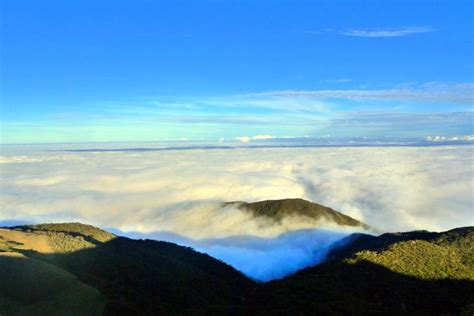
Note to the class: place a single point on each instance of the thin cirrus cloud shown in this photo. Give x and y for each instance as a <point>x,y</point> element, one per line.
<point>340,80</point>
<point>411,109</point>
<point>404,120</point>
<point>456,138</point>
<point>439,108</point>
<point>403,124</point>
<point>387,32</point>
<point>459,94</point>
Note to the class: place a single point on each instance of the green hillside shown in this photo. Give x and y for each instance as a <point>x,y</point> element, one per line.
<point>418,273</point>
<point>421,254</point>
<point>277,210</point>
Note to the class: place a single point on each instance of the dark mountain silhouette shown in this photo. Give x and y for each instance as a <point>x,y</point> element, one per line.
<point>277,210</point>
<point>415,273</point>
<point>52,268</point>
<point>364,288</point>
<point>137,277</point>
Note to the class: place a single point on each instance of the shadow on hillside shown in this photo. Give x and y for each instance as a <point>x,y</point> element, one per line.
<point>235,240</point>
<point>145,277</point>
<point>154,278</point>
<point>33,229</point>
<point>262,258</point>
<point>34,287</point>
<point>360,289</point>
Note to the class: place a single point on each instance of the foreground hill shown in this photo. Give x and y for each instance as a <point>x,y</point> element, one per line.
<point>36,287</point>
<point>52,268</point>
<point>278,210</point>
<point>134,277</point>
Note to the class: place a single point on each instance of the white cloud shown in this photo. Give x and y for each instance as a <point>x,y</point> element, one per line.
<point>388,32</point>
<point>266,259</point>
<point>262,137</point>
<point>132,190</point>
<point>176,193</point>
<point>459,138</point>
<point>243,139</point>
<point>246,139</point>
<point>40,182</point>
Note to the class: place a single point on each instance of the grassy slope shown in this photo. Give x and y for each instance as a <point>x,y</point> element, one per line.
<point>33,287</point>
<point>68,237</point>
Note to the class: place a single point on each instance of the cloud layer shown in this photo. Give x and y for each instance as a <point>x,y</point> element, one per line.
<point>175,194</point>
<point>416,187</point>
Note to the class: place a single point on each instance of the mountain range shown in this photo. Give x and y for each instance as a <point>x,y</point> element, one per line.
<point>78,269</point>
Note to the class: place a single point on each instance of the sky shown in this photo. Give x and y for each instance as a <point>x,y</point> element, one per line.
<point>98,71</point>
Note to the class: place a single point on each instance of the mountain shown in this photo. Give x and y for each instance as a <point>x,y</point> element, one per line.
<point>77,269</point>
<point>277,210</point>
<point>127,277</point>
<point>415,273</point>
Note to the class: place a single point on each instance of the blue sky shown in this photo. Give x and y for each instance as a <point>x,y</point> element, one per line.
<point>81,71</point>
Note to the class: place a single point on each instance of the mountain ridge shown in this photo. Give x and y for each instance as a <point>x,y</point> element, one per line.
<point>418,272</point>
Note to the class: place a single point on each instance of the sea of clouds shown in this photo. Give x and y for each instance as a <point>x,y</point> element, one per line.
<point>175,195</point>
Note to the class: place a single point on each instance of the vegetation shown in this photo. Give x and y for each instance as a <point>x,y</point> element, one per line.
<point>68,237</point>
<point>88,232</point>
<point>85,271</point>
<point>151,277</point>
<point>421,254</point>
<point>363,288</point>
<point>421,259</point>
<point>406,273</point>
<point>136,276</point>
<point>279,209</point>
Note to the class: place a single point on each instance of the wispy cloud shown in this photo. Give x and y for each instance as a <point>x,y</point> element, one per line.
<point>433,93</point>
<point>340,80</point>
<point>440,108</point>
<point>402,123</point>
<point>388,32</point>
<point>457,138</point>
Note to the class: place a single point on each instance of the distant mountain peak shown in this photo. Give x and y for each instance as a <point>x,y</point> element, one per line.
<point>280,209</point>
